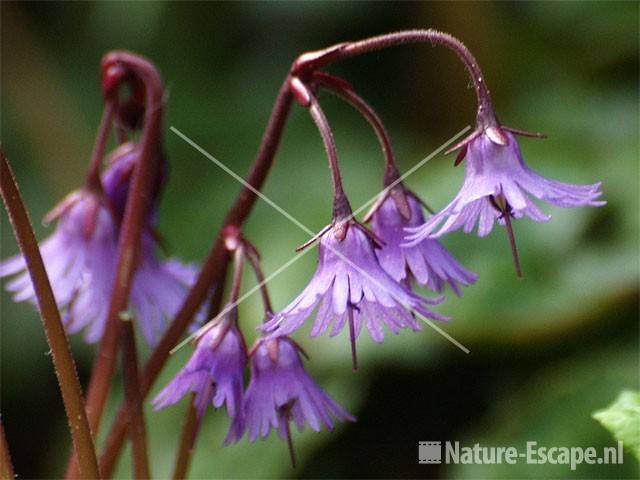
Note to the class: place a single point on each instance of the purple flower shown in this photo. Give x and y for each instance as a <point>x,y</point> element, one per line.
<point>215,374</point>
<point>280,390</point>
<point>497,181</point>
<point>350,284</point>
<point>158,290</point>
<point>117,178</point>
<point>428,261</point>
<point>80,257</point>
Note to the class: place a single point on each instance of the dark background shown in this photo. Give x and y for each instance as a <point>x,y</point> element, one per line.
<point>546,351</point>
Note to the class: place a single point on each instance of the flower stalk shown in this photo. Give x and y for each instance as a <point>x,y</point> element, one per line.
<point>341,208</point>
<point>132,227</point>
<point>137,428</point>
<point>357,295</point>
<point>254,260</point>
<point>315,60</point>
<point>188,436</point>
<point>343,89</point>
<point>215,264</point>
<point>191,425</point>
<point>92,181</point>
<point>63,362</point>
<point>211,274</point>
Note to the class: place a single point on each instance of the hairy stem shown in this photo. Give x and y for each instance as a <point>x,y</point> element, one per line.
<point>63,362</point>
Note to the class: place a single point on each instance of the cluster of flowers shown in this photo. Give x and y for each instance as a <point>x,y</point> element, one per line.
<point>365,277</point>
<point>80,257</point>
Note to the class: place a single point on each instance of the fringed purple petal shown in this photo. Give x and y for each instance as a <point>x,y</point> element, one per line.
<point>348,276</point>
<point>280,390</point>
<point>494,170</point>
<point>215,374</point>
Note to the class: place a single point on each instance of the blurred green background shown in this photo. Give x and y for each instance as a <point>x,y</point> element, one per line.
<point>546,351</point>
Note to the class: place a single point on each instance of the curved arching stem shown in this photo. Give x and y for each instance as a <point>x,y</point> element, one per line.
<point>314,60</point>
<point>212,272</point>
<point>133,224</point>
<point>254,260</point>
<point>214,267</point>
<point>343,90</point>
<point>92,181</point>
<point>341,207</point>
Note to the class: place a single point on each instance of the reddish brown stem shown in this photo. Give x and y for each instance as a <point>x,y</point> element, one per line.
<point>129,241</point>
<point>287,431</point>
<point>218,295</point>
<point>212,271</point>
<point>352,340</point>
<point>341,207</point>
<point>137,428</point>
<point>63,362</point>
<point>187,441</point>
<point>6,466</point>
<point>342,89</point>
<point>192,422</point>
<point>254,260</point>
<point>315,60</point>
<point>93,182</point>
<point>512,242</point>
<point>217,259</point>
<point>236,284</point>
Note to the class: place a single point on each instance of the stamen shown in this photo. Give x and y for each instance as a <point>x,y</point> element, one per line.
<point>512,241</point>
<point>284,417</point>
<point>460,157</point>
<point>352,338</point>
<point>313,239</point>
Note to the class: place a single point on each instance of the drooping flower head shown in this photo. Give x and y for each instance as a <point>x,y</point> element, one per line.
<point>80,258</point>
<point>350,287</point>
<point>215,374</point>
<point>428,262</point>
<point>159,286</point>
<point>499,183</point>
<point>116,180</point>
<point>281,391</point>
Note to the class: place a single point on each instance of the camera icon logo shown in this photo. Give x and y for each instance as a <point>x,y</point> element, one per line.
<point>429,452</point>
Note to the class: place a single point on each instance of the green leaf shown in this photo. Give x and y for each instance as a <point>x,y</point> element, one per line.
<point>622,419</point>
